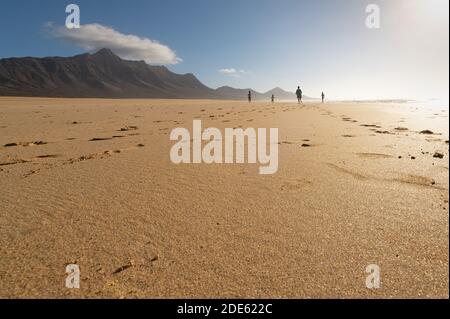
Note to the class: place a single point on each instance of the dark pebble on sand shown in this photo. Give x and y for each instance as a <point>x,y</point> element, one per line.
<point>438,155</point>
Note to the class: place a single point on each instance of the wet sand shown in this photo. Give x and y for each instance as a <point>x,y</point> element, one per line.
<point>90,182</point>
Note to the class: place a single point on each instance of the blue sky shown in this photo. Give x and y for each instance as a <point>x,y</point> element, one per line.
<point>320,45</point>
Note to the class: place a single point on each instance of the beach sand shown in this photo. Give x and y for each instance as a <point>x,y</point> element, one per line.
<point>90,182</point>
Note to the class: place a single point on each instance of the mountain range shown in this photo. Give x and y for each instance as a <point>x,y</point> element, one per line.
<point>105,75</point>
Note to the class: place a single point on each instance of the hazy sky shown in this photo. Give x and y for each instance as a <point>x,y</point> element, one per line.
<point>320,45</point>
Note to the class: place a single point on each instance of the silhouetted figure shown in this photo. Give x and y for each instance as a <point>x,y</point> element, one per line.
<point>273,98</point>
<point>299,95</point>
<point>249,96</point>
<point>323,97</point>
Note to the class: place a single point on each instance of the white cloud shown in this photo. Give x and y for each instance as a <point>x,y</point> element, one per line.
<point>232,72</point>
<point>93,37</point>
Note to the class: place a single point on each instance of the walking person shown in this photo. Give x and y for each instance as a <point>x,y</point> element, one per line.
<point>323,97</point>
<point>249,96</point>
<point>299,95</point>
<point>273,98</point>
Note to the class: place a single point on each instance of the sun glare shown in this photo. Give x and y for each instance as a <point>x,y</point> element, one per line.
<point>430,11</point>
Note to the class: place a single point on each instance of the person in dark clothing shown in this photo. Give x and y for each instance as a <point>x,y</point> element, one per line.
<point>273,98</point>
<point>299,94</point>
<point>249,96</point>
<point>323,97</point>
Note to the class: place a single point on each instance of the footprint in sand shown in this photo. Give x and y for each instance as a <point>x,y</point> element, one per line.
<point>295,185</point>
<point>26,144</point>
<point>10,145</point>
<point>405,178</point>
<point>123,268</point>
<point>128,128</point>
<point>97,139</point>
<point>48,156</point>
<point>374,155</point>
<point>370,125</point>
<point>101,155</point>
<point>14,162</point>
<point>426,132</point>
<point>347,171</point>
<point>416,180</point>
<point>383,132</point>
<point>85,158</point>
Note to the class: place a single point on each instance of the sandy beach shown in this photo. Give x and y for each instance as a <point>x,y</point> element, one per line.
<point>90,182</point>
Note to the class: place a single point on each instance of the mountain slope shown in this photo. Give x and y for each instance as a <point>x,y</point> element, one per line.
<point>105,75</point>
<point>280,94</point>
<point>99,75</point>
<point>229,93</point>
